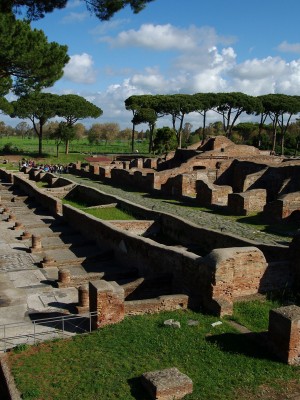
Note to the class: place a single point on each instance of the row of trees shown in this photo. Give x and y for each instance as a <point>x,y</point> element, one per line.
<point>40,107</point>
<point>279,108</point>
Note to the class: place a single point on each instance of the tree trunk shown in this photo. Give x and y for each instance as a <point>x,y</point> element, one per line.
<point>282,144</point>
<point>204,127</point>
<point>67,146</point>
<point>274,136</point>
<point>57,146</point>
<point>40,142</point>
<point>151,129</point>
<point>132,138</point>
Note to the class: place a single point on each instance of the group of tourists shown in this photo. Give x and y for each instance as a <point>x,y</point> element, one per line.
<point>52,168</point>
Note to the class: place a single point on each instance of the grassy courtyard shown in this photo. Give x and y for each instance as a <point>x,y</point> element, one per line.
<point>106,364</point>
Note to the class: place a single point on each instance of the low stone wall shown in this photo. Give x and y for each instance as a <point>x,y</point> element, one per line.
<point>209,194</point>
<point>206,240</point>
<point>6,176</point>
<point>94,197</point>
<point>159,304</point>
<point>283,207</point>
<point>248,202</point>
<point>136,227</point>
<point>53,204</point>
<point>284,334</point>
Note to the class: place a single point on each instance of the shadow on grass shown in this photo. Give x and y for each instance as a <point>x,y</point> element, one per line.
<point>253,344</point>
<point>137,390</point>
<point>283,228</point>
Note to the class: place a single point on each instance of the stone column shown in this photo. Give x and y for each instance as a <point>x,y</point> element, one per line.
<point>96,170</point>
<point>284,333</point>
<point>64,276</point>
<point>36,245</point>
<point>26,235</point>
<point>18,225</point>
<point>11,217</point>
<point>83,299</point>
<point>107,299</point>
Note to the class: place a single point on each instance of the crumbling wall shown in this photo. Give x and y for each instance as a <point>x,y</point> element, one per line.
<point>248,202</point>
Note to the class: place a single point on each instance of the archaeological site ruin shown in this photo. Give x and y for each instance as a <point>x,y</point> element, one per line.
<point>64,260</point>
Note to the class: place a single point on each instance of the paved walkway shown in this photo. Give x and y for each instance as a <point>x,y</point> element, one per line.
<point>206,219</point>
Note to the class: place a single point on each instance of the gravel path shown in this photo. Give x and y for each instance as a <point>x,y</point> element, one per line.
<point>206,219</point>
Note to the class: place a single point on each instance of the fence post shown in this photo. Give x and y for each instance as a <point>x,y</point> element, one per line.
<point>34,332</point>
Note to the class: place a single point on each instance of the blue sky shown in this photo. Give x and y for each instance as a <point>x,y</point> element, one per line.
<point>177,46</point>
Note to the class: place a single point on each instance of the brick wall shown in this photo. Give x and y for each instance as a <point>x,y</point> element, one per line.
<point>247,202</point>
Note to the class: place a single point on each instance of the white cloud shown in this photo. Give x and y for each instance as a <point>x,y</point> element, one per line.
<point>268,75</point>
<point>80,69</point>
<point>259,69</point>
<point>289,47</point>
<point>74,3</point>
<point>75,17</point>
<point>167,37</point>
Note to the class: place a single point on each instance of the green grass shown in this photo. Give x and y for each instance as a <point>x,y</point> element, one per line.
<point>107,364</point>
<point>106,213</point>
<point>10,166</point>
<point>109,213</point>
<point>77,204</point>
<point>30,146</point>
<point>254,314</point>
<point>42,184</point>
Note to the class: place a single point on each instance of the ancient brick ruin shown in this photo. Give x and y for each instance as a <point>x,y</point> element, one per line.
<point>219,173</point>
<point>157,261</point>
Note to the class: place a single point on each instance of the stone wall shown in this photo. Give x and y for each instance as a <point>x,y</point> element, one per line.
<point>94,197</point>
<point>211,274</point>
<point>159,304</point>
<point>209,194</point>
<point>283,207</point>
<point>248,202</point>
<point>6,176</point>
<point>284,334</point>
<point>53,204</point>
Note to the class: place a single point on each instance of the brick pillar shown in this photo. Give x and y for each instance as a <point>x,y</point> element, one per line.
<point>284,333</point>
<point>96,169</point>
<point>26,235</point>
<point>294,256</point>
<point>36,244</point>
<point>64,276</point>
<point>139,162</point>
<point>18,225</point>
<point>83,296</point>
<point>83,299</point>
<point>47,262</point>
<point>11,217</point>
<point>107,299</point>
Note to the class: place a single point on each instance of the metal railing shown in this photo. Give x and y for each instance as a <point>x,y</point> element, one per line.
<point>39,330</point>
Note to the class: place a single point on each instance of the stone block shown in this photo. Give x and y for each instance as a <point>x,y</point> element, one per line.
<point>167,384</point>
<point>284,333</point>
<point>107,299</point>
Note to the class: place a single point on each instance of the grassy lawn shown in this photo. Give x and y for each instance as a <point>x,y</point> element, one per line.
<point>254,314</point>
<point>109,213</point>
<point>106,213</point>
<point>29,147</point>
<point>41,184</point>
<point>107,363</point>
